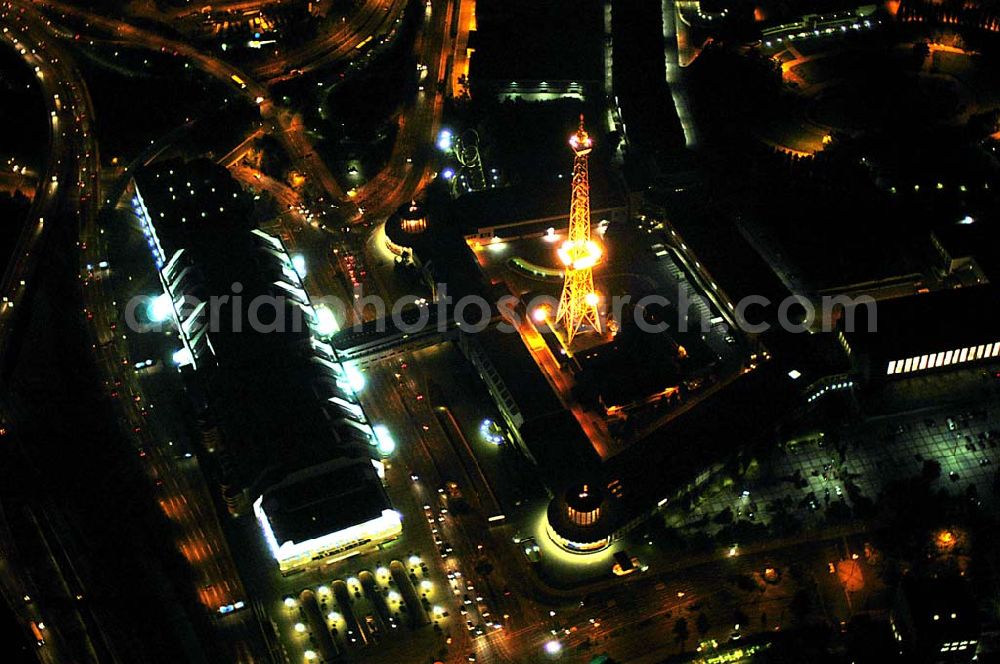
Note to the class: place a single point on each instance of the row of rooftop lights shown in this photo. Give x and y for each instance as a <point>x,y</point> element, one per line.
<point>816,32</point>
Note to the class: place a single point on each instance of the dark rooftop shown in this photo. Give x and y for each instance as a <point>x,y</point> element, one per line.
<point>743,414</point>
<point>517,40</point>
<point>195,199</point>
<point>548,200</point>
<point>928,322</point>
<point>553,435</point>
<point>978,240</point>
<point>280,407</point>
<point>942,609</point>
<point>517,369</point>
<point>324,499</point>
<point>737,267</point>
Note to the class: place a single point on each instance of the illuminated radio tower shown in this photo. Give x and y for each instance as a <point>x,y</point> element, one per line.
<point>578,303</point>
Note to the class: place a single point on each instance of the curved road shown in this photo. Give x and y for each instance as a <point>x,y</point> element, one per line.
<point>67,194</point>
<point>287,126</point>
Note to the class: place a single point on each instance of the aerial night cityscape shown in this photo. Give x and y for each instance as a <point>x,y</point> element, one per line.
<point>499,331</point>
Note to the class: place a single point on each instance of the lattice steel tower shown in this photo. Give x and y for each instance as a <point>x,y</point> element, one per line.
<point>579,253</point>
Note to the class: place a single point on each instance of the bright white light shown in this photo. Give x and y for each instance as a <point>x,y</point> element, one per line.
<point>386,444</point>
<point>966,220</point>
<point>324,590</point>
<point>426,584</point>
<point>382,571</point>
<point>553,647</point>
<point>326,322</point>
<point>444,140</point>
<point>299,265</point>
<point>160,308</point>
<point>300,628</point>
<point>183,357</point>
<point>414,560</point>
<point>310,655</point>
<point>448,173</point>
<point>794,374</point>
<point>355,378</point>
<point>290,602</point>
<point>394,596</point>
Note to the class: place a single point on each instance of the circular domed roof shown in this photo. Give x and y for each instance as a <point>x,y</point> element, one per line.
<point>584,497</point>
<point>412,218</point>
<point>582,518</point>
<point>405,229</point>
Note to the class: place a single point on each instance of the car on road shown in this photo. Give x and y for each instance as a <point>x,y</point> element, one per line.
<point>144,364</point>
<point>625,565</point>
<point>531,550</point>
<point>36,631</point>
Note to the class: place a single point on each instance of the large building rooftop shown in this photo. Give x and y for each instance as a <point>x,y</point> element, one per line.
<point>544,33</point>
<point>327,498</point>
<point>744,414</point>
<point>506,211</point>
<point>927,322</point>
<point>923,332</point>
<point>279,396</point>
<point>551,434</point>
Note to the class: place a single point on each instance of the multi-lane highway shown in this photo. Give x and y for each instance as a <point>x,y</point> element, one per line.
<point>373,21</point>
<point>364,25</point>
<point>160,439</point>
<point>411,164</point>
<point>398,395</point>
<point>67,190</point>
<point>66,194</point>
<point>71,195</point>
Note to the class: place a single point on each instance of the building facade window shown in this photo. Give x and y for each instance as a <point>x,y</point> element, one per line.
<point>944,358</point>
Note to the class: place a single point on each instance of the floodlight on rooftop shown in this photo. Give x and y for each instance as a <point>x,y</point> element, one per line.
<point>386,444</point>
<point>160,308</point>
